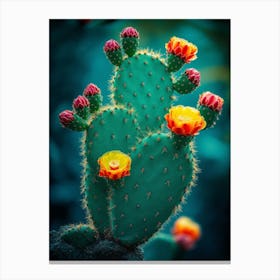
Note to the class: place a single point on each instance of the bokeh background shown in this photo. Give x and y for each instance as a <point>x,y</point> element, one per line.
<point>77,58</point>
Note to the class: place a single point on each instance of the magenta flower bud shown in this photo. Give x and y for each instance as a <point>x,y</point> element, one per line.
<point>129,32</point>
<point>91,89</point>
<point>111,45</point>
<point>66,117</point>
<point>193,75</point>
<point>80,102</point>
<point>212,101</point>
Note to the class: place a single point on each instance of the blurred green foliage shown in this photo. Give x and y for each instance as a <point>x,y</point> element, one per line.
<point>77,58</point>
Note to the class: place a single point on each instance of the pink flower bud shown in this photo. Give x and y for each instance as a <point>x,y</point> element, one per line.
<point>111,45</point>
<point>80,102</point>
<point>212,101</point>
<point>66,117</point>
<point>91,89</point>
<point>129,32</point>
<point>193,76</point>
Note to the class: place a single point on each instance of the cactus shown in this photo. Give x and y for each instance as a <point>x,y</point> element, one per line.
<point>135,174</point>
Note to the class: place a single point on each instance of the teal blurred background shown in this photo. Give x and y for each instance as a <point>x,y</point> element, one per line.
<point>77,58</point>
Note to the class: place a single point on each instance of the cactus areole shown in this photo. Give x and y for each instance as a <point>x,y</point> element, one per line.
<point>138,156</point>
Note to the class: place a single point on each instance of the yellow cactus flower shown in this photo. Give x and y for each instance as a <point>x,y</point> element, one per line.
<point>182,48</point>
<point>185,121</point>
<point>114,165</point>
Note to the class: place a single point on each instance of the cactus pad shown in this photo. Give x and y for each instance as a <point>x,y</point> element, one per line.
<point>79,236</point>
<point>161,173</point>
<point>112,128</point>
<point>144,84</point>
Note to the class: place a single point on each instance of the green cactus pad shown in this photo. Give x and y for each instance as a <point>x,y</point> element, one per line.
<point>83,112</point>
<point>95,102</point>
<point>113,128</point>
<point>130,45</point>
<point>78,124</point>
<point>209,115</point>
<point>174,62</point>
<point>143,83</point>
<point>79,236</point>
<point>183,85</point>
<point>115,57</point>
<point>160,175</point>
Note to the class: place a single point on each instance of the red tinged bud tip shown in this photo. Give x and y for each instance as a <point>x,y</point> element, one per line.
<point>66,117</point>
<point>111,45</point>
<point>129,32</point>
<point>193,75</point>
<point>80,102</point>
<point>212,101</point>
<point>91,89</point>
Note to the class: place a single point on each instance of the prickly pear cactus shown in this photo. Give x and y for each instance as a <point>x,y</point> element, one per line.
<point>135,174</point>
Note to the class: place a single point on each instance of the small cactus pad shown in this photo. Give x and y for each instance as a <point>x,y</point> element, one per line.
<point>93,94</point>
<point>81,106</point>
<point>210,106</point>
<point>130,40</point>
<point>112,128</point>
<point>188,81</point>
<point>174,63</point>
<point>143,83</point>
<point>113,52</point>
<point>79,236</point>
<point>72,121</point>
<point>160,175</point>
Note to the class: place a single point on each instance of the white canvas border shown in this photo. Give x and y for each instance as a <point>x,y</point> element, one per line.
<point>254,142</point>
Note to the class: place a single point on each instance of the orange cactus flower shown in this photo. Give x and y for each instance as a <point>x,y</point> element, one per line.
<point>185,121</point>
<point>186,232</point>
<point>182,48</point>
<point>114,165</point>
<point>186,226</point>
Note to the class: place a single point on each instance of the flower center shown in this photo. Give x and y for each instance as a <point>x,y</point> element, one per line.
<point>183,118</point>
<point>114,164</point>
